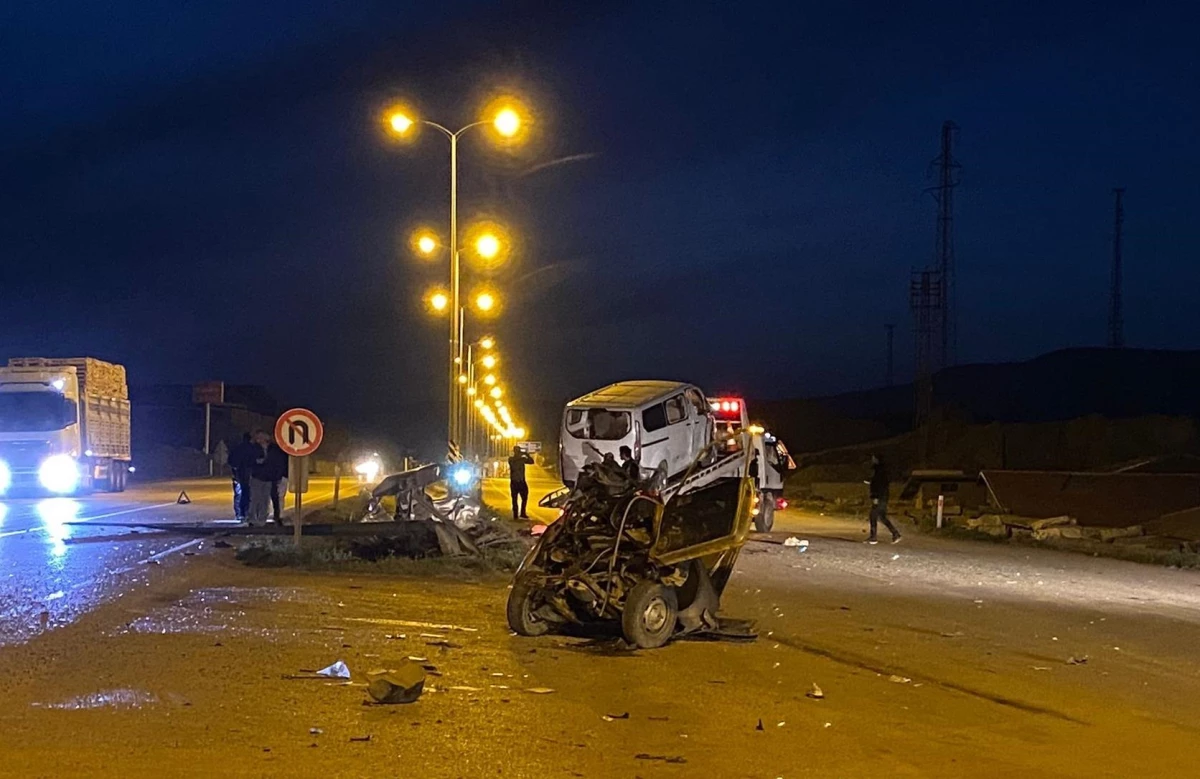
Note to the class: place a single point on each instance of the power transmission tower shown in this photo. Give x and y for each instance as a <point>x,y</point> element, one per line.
<point>891,364</point>
<point>943,193</point>
<point>931,295</point>
<point>1116,319</point>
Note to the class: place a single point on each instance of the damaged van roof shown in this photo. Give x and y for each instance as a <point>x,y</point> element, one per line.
<point>630,394</point>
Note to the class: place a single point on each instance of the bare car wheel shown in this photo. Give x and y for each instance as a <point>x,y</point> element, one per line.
<point>520,610</point>
<point>651,611</point>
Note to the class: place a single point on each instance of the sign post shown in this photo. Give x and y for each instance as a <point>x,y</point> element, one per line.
<point>298,432</point>
<point>208,393</point>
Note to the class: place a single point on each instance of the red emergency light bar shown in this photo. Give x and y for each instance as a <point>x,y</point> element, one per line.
<point>727,407</point>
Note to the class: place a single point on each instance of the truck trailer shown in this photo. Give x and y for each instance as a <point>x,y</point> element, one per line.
<point>64,425</point>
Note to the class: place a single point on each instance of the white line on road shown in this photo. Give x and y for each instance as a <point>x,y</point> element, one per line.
<point>42,529</point>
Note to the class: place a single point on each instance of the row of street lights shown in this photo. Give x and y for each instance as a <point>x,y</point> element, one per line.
<point>465,394</point>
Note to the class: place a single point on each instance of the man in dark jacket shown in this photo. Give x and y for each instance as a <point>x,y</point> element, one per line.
<point>277,470</point>
<point>241,460</point>
<point>517,485</point>
<point>880,487</point>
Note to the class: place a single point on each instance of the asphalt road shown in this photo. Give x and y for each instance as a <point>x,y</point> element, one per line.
<point>54,570</point>
<point>935,657</point>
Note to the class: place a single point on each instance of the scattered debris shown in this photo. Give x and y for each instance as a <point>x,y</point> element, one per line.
<point>780,724</point>
<point>444,644</point>
<point>659,719</point>
<point>397,685</point>
<point>955,634</point>
<point>800,544</point>
<point>465,688</point>
<point>759,726</point>
<point>816,693</point>
<point>360,739</point>
<point>612,717</point>
<point>338,670</point>
<point>315,731</point>
<point>1080,660</point>
<point>662,758</point>
<point>539,690</point>
<point>433,635</point>
<point>899,679</point>
<point>1042,667</point>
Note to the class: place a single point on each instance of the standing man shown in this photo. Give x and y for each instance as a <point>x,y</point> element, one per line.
<point>516,481</point>
<point>241,460</point>
<point>277,470</point>
<point>879,489</point>
<point>631,467</point>
<point>261,474</point>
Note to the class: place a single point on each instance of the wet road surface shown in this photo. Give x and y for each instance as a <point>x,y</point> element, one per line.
<point>55,570</point>
<point>936,657</point>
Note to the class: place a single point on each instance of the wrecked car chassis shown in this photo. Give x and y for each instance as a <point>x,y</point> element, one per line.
<point>618,553</point>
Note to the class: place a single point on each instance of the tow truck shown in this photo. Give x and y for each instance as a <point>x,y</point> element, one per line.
<point>769,462</point>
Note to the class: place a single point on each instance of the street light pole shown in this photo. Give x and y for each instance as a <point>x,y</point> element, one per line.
<point>454,304</point>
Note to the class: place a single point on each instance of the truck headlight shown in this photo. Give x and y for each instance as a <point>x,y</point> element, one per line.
<point>462,475</point>
<point>5,477</point>
<point>59,474</point>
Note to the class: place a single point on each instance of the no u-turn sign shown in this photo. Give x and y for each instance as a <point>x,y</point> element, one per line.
<point>298,432</point>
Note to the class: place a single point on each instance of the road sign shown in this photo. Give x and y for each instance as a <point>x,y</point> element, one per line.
<point>298,432</point>
<point>453,454</point>
<point>209,392</point>
<point>530,447</point>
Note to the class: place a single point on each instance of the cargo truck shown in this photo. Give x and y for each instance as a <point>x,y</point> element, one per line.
<point>64,425</point>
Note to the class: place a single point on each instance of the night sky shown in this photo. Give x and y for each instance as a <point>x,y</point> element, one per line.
<point>202,189</point>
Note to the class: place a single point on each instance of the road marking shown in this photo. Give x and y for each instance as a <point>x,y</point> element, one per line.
<point>42,528</point>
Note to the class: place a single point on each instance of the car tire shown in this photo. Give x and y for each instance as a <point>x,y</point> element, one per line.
<point>519,610</point>
<point>764,520</point>
<point>650,613</point>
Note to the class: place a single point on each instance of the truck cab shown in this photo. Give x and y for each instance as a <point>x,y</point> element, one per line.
<point>57,436</point>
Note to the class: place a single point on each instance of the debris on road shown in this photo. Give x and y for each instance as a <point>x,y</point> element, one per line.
<point>899,679</point>
<point>815,692</point>
<point>612,717</point>
<point>1080,660</point>
<point>338,670</point>
<point>759,726</point>
<point>403,684</point>
<point>315,731</point>
<point>360,739</point>
<point>663,758</point>
<point>539,690</point>
<point>800,544</point>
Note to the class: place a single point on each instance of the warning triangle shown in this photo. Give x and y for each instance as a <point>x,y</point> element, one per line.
<point>183,498</point>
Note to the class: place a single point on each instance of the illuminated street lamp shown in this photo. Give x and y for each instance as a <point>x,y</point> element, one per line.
<point>490,380</point>
<point>489,361</point>
<point>439,301</point>
<point>487,342</point>
<point>496,392</point>
<point>507,123</point>
<point>485,301</point>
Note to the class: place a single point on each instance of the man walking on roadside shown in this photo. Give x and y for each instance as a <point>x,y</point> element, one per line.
<point>516,481</point>
<point>879,489</point>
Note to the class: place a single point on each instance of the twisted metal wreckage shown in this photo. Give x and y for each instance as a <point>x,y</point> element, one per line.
<point>654,557</point>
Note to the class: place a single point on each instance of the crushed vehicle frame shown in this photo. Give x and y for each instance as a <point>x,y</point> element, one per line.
<point>620,553</point>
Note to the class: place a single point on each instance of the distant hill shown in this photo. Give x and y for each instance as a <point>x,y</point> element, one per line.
<point>1061,385</point>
